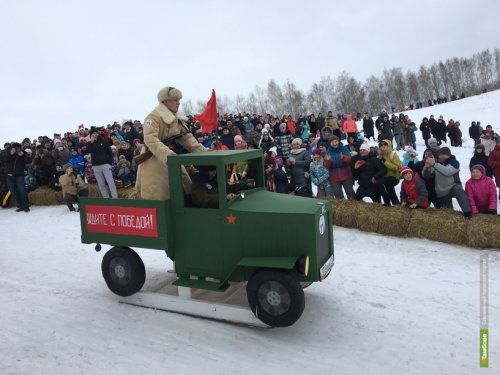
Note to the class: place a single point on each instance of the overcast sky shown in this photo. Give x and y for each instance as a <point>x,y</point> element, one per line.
<point>67,62</point>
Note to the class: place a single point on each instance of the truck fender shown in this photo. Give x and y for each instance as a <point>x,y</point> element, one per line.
<point>287,263</point>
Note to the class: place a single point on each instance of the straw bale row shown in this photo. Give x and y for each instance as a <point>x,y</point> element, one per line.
<point>448,226</point>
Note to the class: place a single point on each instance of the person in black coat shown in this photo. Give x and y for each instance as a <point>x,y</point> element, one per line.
<point>368,126</point>
<point>129,133</point>
<point>433,125</point>
<point>15,161</point>
<point>101,158</point>
<point>227,139</point>
<point>425,128</point>
<point>320,122</point>
<point>475,132</point>
<point>441,131</point>
<point>480,158</point>
<point>385,130</point>
<point>368,171</point>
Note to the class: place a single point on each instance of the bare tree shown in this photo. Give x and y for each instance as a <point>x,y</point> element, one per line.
<point>456,75</point>
<point>224,105</point>
<point>187,107</point>
<point>436,83</point>
<point>275,98</point>
<point>329,87</point>
<point>392,89</point>
<point>395,88</point>
<point>469,69</point>
<point>350,94</point>
<point>294,99</point>
<point>240,104</point>
<point>251,103</point>
<point>444,75</point>
<point>484,68</point>
<point>424,80</point>
<point>316,99</point>
<point>412,85</point>
<point>200,106</point>
<point>496,53</point>
<point>261,99</point>
<point>375,98</point>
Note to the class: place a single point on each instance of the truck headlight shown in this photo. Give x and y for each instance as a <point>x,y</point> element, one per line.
<point>302,265</point>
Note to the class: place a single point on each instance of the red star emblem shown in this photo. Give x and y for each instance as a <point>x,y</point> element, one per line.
<point>231,219</point>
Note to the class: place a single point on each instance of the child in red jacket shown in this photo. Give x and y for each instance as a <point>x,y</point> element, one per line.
<point>413,190</point>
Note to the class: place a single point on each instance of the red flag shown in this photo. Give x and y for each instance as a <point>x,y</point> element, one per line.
<point>208,119</point>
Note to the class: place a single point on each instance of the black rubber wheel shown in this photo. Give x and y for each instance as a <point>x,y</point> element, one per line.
<point>305,284</point>
<point>123,271</point>
<point>275,297</point>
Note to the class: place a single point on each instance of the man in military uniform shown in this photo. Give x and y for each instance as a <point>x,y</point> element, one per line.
<point>161,124</point>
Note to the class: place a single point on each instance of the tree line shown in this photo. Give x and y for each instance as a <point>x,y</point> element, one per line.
<point>394,89</point>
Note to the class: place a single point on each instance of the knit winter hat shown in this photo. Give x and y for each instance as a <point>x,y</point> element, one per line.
<point>479,167</point>
<point>240,146</point>
<point>68,165</point>
<point>269,160</point>
<point>316,151</point>
<point>333,137</point>
<point>238,138</point>
<point>432,140</point>
<point>365,147</point>
<point>297,141</point>
<point>169,93</point>
<point>445,151</point>
<point>404,171</point>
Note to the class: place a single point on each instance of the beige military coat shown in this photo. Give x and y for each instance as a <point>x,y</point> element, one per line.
<point>152,175</point>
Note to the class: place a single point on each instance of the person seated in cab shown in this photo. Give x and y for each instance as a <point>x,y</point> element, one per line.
<point>205,192</point>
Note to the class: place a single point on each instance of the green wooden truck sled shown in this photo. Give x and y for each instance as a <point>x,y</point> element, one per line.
<point>267,243</point>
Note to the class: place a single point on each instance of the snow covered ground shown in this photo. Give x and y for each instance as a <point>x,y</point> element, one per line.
<point>390,306</point>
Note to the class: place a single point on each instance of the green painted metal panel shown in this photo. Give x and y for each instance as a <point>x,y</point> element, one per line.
<point>268,262</point>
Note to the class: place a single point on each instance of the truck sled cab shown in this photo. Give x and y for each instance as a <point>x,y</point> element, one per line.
<point>276,242</point>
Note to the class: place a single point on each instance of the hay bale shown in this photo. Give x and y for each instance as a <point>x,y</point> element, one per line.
<point>438,225</point>
<point>93,191</point>
<point>344,213</point>
<point>45,196</point>
<point>388,221</point>
<point>482,232</point>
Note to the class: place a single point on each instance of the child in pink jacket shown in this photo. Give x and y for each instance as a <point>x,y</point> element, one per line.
<point>481,191</point>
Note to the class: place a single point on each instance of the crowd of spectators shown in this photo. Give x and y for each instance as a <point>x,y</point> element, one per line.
<point>329,152</point>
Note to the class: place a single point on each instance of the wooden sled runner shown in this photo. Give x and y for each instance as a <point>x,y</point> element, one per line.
<point>229,306</point>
